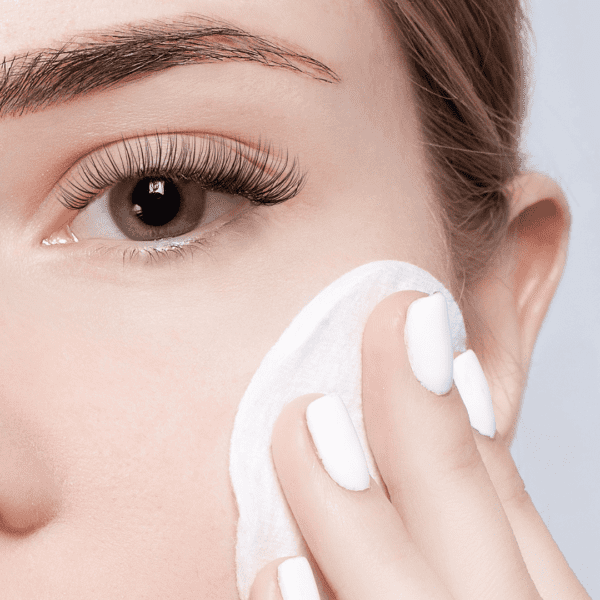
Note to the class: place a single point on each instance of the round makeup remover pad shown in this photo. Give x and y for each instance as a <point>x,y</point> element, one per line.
<point>319,352</point>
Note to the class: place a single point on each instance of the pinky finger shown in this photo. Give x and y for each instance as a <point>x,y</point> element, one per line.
<point>285,579</point>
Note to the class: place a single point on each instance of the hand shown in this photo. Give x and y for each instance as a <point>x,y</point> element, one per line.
<point>455,521</point>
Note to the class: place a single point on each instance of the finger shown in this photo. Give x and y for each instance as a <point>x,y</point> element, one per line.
<point>356,536</point>
<point>265,585</point>
<point>424,447</point>
<point>546,564</point>
<point>285,579</point>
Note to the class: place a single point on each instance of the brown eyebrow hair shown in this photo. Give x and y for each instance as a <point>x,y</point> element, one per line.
<point>104,59</point>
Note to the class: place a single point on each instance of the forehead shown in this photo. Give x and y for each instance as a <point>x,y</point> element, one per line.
<point>354,39</point>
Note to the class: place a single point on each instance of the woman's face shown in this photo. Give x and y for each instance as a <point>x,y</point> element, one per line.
<point>122,374</point>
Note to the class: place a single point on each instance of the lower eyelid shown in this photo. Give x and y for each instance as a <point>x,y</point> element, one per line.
<point>171,250</point>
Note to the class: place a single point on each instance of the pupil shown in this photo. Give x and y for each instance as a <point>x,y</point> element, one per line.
<point>155,201</point>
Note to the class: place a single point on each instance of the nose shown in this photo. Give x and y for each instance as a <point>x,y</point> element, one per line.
<point>29,490</point>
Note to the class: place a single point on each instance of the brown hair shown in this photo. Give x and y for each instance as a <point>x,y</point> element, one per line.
<point>469,66</point>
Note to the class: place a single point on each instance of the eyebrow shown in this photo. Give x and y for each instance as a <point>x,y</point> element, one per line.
<point>102,60</point>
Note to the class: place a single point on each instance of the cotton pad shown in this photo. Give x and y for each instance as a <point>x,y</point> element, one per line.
<point>319,352</point>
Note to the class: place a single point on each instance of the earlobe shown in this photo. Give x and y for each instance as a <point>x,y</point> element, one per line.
<point>514,298</point>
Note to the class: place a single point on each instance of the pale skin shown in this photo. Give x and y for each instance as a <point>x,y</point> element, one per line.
<point>120,383</point>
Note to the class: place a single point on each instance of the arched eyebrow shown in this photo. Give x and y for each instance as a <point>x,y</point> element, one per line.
<point>104,59</point>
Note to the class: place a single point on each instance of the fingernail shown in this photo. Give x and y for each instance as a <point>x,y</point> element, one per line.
<point>296,580</point>
<point>429,343</point>
<point>475,393</point>
<point>337,442</point>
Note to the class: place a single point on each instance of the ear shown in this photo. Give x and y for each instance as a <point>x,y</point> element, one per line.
<point>514,298</point>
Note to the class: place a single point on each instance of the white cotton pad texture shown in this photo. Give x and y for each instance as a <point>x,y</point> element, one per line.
<point>319,352</point>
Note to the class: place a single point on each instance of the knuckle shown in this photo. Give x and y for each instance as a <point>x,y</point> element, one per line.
<point>458,453</point>
<point>513,493</point>
<point>507,480</point>
<point>462,458</point>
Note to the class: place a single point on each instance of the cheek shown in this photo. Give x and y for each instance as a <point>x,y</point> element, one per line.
<point>128,390</point>
<point>130,411</point>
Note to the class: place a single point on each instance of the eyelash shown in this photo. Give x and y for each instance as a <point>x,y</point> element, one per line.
<point>261,176</point>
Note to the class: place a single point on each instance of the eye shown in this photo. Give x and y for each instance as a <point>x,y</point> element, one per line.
<point>155,190</point>
<point>152,208</point>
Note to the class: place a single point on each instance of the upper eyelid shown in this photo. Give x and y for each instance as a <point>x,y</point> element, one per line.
<point>129,141</point>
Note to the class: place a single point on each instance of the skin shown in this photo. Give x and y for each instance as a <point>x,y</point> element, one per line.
<point>120,385</point>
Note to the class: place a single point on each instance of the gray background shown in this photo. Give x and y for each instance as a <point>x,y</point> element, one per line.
<point>557,445</point>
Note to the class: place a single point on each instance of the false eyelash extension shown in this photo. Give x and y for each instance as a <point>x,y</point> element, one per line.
<point>224,166</point>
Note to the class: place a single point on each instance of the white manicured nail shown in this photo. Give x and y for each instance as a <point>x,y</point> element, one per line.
<point>429,343</point>
<point>473,388</point>
<point>296,580</point>
<point>337,442</point>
